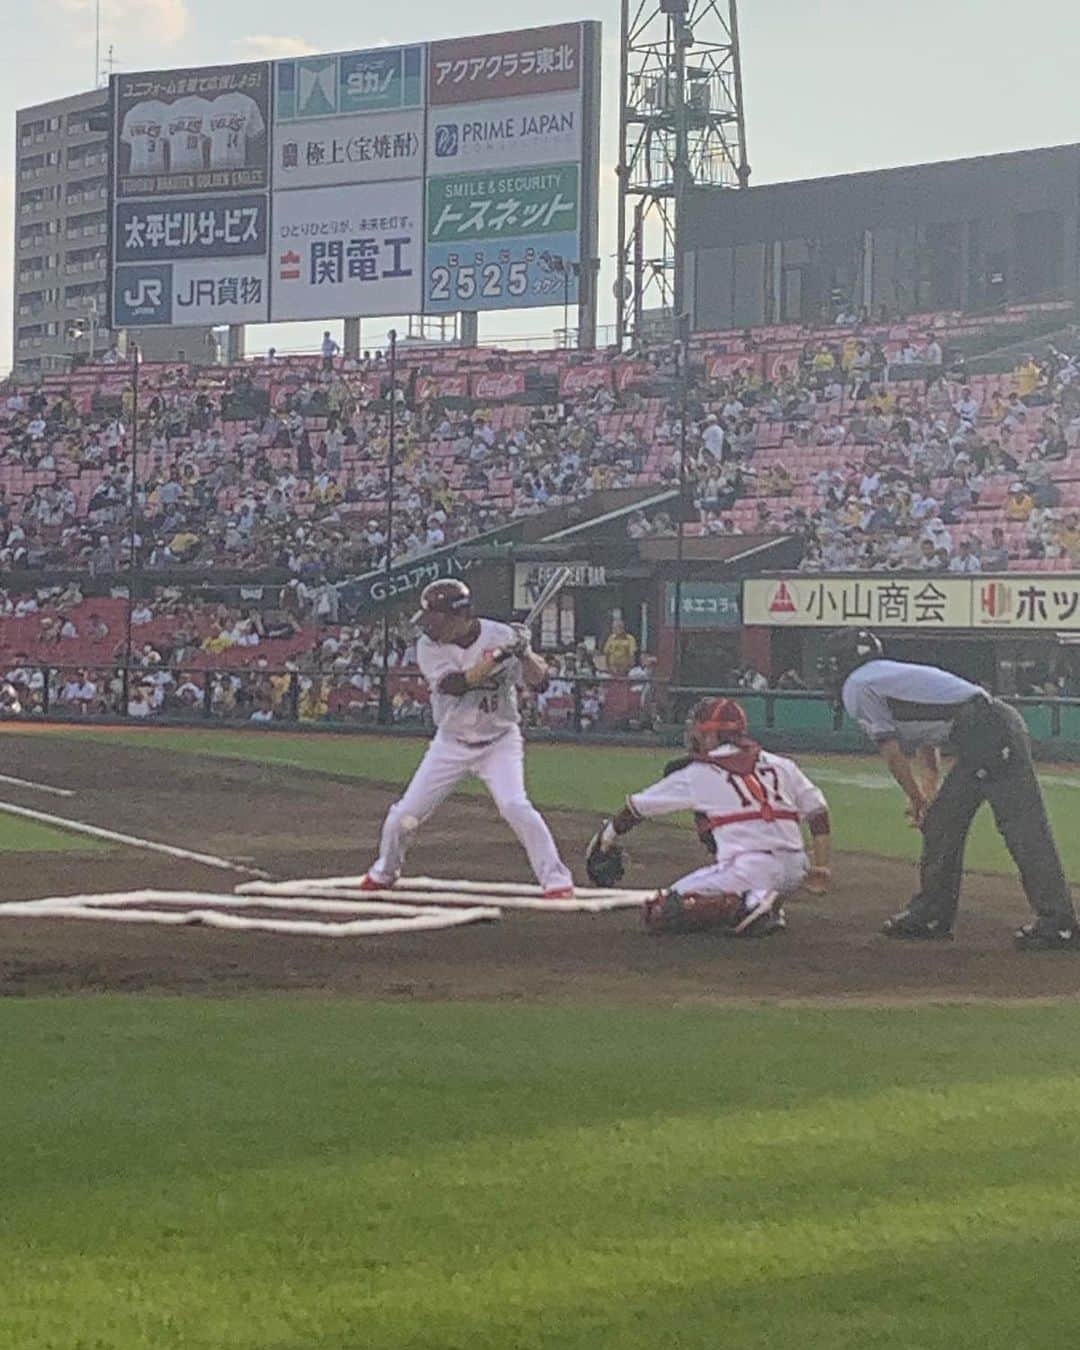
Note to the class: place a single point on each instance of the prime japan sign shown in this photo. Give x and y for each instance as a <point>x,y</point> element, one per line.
<point>504,135</point>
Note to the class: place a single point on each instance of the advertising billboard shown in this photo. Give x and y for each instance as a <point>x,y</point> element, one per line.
<point>884,602</point>
<point>530,202</point>
<point>519,131</point>
<point>1046,603</point>
<point>191,227</point>
<point>429,178</point>
<point>340,250</point>
<point>510,193</point>
<point>191,202</point>
<point>194,130</point>
<point>502,240</point>
<point>155,295</point>
<point>506,65</point>
<point>336,151</point>
<point>348,82</point>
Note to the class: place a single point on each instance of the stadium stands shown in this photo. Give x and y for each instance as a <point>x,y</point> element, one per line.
<point>876,444</point>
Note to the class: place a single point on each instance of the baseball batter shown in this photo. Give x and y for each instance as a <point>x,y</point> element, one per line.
<point>473,667</point>
<point>751,806</point>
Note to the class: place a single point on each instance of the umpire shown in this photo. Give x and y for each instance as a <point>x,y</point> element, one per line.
<point>910,711</point>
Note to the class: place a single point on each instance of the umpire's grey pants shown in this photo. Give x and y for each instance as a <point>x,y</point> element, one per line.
<point>994,765</point>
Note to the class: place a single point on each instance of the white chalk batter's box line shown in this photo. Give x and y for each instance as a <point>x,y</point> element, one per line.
<point>370,918</point>
<point>440,891</point>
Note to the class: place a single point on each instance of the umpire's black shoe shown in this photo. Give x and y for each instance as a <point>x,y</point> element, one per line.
<point>909,926</point>
<point>1040,936</point>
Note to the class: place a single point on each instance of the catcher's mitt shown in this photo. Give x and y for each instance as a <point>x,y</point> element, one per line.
<point>605,866</point>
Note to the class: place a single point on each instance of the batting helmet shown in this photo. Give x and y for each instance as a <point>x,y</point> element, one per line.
<point>845,650</point>
<point>721,717</point>
<point>444,597</point>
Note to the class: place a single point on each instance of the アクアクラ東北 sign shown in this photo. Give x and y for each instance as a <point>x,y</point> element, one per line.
<point>505,65</point>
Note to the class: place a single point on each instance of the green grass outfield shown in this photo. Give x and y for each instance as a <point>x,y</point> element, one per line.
<point>868,808</point>
<point>300,1174</point>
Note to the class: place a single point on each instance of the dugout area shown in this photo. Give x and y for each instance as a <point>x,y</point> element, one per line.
<point>294,822</point>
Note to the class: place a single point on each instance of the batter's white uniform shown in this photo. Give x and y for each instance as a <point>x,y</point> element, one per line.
<point>754,816</point>
<point>477,733</point>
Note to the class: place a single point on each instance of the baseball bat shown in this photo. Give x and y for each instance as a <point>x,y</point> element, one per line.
<point>552,587</point>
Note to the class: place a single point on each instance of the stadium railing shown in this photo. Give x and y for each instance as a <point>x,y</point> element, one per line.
<point>630,711</point>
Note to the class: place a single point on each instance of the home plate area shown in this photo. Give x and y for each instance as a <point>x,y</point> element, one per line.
<point>323,907</point>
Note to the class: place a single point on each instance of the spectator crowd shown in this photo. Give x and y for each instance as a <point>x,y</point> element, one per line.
<point>875,445</point>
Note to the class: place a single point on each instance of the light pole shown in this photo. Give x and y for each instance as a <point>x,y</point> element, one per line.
<point>133,514</point>
<point>682,356</point>
<point>562,267</point>
<point>384,684</point>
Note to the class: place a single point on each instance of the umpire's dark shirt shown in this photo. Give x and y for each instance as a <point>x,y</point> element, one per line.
<point>915,704</point>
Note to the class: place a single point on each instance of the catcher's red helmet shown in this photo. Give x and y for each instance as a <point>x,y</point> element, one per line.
<point>722,716</point>
<point>444,597</point>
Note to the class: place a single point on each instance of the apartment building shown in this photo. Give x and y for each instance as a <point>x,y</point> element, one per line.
<point>61,232</point>
<point>61,243</point>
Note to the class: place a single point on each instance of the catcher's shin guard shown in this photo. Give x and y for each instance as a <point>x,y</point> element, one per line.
<point>672,912</point>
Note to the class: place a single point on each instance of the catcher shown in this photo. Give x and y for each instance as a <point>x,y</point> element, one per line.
<point>748,806</point>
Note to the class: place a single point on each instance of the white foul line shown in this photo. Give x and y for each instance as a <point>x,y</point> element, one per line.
<point>115,837</point>
<point>37,787</point>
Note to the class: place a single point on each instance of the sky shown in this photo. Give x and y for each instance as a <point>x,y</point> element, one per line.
<point>828,87</point>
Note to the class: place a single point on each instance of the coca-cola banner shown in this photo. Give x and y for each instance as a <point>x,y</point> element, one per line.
<point>441,386</point>
<point>630,373</point>
<point>498,384</point>
<point>783,364</point>
<point>726,364</point>
<point>577,380</point>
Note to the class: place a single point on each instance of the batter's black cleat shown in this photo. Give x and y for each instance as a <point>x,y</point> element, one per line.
<point>1040,936</point>
<point>913,929</point>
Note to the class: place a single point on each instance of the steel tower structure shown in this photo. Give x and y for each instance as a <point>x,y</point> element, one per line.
<point>681,125</point>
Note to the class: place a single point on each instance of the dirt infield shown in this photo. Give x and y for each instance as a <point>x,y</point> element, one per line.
<point>295,823</point>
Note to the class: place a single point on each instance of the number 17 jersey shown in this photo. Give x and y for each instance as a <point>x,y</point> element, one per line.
<point>754,810</point>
